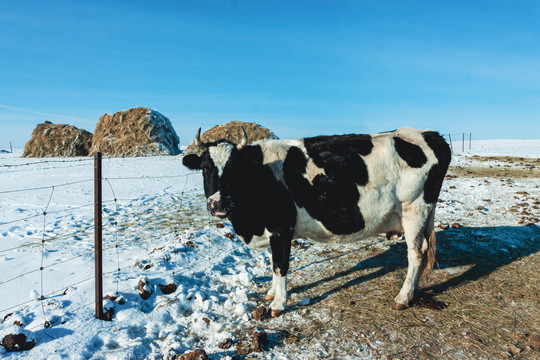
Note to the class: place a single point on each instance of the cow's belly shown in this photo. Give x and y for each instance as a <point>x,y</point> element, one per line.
<point>380,211</point>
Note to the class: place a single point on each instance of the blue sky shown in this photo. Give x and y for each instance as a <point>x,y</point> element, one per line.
<point>301,68</point>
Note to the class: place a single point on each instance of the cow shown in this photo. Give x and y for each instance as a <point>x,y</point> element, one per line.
<point>329,189</point>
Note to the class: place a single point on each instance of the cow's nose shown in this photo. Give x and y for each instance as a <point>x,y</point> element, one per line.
<point>214,204</point>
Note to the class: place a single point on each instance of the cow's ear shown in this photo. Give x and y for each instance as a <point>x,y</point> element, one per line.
<point>192,161</point>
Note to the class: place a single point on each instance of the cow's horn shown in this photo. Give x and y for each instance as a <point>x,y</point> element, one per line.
<point>244,140</point>
<point>198,141</point>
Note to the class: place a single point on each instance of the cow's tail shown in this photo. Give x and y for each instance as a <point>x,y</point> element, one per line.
<point>429,247</point>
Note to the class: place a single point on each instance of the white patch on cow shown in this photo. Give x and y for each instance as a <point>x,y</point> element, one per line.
<point>258,242</point>
<point>220,154</point>
<point>309,227</point>
<point>272,292</point>
<point>312,171</point>
<point>279,284</point>
<point>276,150</point>
<point>274,153</point>
<point>215,197</point>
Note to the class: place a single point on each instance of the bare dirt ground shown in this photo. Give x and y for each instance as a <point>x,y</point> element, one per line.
<point>499,166</point>
<point>482,301</point>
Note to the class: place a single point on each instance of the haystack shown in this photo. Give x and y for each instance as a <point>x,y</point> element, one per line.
<point>232,131</point>
<point>135,132</point>
<point>58,140</point>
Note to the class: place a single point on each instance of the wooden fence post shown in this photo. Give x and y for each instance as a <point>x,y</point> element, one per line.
<point>451,147</point>
<point>470,138</point>
<point>463,142</point>
<point>98,228</point>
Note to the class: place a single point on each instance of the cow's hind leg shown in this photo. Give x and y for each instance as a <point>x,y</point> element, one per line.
<point>415,223</point>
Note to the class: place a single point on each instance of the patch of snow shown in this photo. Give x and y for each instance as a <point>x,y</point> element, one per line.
<point>501,147</point>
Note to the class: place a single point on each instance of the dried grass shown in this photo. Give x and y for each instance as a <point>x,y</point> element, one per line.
<point>499,166</point>
<point>232,131</point>
<point>135,132</point>
<point>504,172</point>
<point>490,309</point>
<point>58,140</point>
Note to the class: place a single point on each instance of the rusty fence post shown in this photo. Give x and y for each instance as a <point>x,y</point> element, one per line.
<point>98,228</point>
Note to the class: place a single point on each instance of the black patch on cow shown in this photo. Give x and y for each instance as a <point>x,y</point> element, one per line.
<point>258,200</point>
<point>332,198</point>
<point>339,145</point>
<point>411,153</point>
<point>433,184</point>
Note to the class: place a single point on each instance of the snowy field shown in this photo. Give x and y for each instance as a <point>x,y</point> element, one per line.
<point>158,232</point>
<point>521,148</point>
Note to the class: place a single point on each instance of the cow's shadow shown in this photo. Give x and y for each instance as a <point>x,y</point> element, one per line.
<point>485,248</point>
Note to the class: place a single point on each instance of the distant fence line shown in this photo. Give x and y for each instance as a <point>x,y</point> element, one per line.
<point>112,219</point>
<point>455,139</point>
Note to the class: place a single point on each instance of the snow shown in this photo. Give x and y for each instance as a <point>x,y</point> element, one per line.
<point>157,231</point>
<point>500,147</point>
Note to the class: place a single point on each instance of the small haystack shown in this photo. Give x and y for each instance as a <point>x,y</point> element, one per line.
<point>232,131</point>
<point>58,140</point>
<point>135,132</point>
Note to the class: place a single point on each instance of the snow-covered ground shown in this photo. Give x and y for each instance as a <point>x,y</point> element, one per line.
<point>157,232</point>
<point>502,147</point>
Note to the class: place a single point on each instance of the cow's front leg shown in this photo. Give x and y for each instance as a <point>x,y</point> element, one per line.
<point>281,251</point>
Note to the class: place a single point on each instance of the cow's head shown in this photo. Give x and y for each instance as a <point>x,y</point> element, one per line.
<point>213,161</point>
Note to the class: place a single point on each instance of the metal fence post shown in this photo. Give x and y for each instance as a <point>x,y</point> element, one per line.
<point>463,142</point>
<point>98,227</point>
<point>470,138</point>
<point>451,147</point>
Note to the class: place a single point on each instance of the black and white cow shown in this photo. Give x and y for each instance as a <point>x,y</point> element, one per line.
<point>331,189</point>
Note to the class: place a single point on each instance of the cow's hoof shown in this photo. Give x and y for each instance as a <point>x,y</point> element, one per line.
<point>398,306</point>
<point>275,313</point>
<point>269,297</point>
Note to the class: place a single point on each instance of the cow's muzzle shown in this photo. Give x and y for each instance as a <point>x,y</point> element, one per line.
<point>218,208</point>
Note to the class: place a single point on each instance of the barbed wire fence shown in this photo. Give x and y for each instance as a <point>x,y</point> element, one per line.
<point>116,226</point>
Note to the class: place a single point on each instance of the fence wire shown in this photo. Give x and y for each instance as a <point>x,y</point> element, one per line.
<point>45,162</point>
<point>45,187</point>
